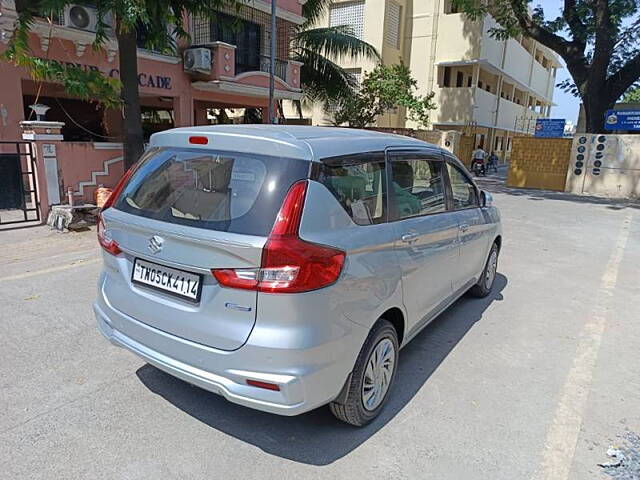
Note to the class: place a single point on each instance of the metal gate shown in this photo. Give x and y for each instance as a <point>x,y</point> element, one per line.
<point>18,192</point>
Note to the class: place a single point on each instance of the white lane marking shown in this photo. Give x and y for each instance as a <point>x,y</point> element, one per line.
<point>79,263</point>
<point>562,436</point>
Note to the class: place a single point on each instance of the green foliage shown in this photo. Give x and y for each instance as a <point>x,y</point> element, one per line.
<point>322,79</point>
<point>85,84</point>
<point>384,88</point>
<point>632,96</point>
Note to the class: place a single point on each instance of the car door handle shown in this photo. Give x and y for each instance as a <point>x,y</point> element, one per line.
<point>464,227</point>
<point>409,237</point>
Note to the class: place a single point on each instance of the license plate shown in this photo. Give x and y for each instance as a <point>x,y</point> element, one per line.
<point>176,282</point>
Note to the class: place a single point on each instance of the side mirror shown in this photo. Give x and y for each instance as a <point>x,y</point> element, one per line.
<point>486,199</point>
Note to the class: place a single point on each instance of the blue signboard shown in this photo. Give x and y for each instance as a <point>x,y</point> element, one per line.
<point>622,120</point>
<point>550,127</point>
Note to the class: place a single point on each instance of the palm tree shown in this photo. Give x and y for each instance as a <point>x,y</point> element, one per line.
<point>322,79</point>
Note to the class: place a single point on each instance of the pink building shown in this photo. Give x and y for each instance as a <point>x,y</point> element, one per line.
<point>224,78</point>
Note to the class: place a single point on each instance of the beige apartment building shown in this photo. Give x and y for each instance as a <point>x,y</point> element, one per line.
<point>490,88</point>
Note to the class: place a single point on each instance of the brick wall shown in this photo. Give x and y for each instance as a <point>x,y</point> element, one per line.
<point>539,163</point>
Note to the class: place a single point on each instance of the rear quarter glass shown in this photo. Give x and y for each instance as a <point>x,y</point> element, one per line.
<point>216,190</point>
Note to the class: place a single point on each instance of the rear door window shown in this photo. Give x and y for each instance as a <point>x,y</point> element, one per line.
<point>418,185</point>
<point>358,183</point>
<point>225,191</point>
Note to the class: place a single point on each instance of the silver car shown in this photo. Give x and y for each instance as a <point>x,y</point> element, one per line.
<point>285,267</point>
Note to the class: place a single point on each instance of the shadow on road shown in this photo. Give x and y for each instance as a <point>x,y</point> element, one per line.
<point>497,184</point>
<point>317,438</point>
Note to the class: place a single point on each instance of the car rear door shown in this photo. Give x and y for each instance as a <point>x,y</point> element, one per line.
<point>426,231</point>
<point>183,213</point>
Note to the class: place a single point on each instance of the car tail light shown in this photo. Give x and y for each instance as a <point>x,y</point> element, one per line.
<point>289,264</point>
<point>106,242</point>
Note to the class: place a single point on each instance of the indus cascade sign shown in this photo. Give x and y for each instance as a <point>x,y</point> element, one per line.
<point>162,82</point>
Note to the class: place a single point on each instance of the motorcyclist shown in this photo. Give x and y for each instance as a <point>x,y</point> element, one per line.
<point>477,157</point>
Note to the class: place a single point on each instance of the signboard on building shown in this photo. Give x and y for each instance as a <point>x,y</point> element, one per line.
<point>550,127</point>
<point>622,120</point>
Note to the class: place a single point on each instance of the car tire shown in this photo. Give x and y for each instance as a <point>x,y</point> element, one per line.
<point>372,377</point>
<point>488,276</point>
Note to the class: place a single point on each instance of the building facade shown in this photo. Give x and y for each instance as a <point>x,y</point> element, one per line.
<point>493,89</point>
<point>172,94</point>
<point>220,76</point>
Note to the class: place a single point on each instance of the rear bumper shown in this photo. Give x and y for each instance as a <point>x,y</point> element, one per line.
<point>308,377</point>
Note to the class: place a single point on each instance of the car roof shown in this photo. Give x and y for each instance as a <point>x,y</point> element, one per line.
<point>292,141</point>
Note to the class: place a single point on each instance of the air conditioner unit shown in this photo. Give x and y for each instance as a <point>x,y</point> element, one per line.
<point>197,60</point>
<point>80,17</point>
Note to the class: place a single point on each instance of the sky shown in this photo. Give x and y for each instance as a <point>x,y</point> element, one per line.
<point>567,105</point>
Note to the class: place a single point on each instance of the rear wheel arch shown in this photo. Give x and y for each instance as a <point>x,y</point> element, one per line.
<point>498,242</point>
<point>395,316</point>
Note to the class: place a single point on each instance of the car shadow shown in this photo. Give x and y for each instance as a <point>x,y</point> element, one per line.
<point>316,437</point>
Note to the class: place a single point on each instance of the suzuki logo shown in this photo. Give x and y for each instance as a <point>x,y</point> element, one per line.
<point>155,244</point>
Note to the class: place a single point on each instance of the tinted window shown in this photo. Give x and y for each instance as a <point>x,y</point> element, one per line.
<point>464,193</point>
<point>358,183</point>
<point>224,191</point>
<point>418,186</point>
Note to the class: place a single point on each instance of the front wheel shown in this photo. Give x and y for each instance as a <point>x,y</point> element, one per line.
<point>488,276</point>
<point>371,378</point>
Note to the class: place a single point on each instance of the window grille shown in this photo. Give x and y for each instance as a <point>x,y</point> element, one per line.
<point>351,14</point>
<point>394,14</point>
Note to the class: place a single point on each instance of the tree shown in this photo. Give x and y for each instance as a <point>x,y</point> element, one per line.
<point>129,15</point>
<point>322,79</point>
<point>384,88</point>
<point>599,41</point>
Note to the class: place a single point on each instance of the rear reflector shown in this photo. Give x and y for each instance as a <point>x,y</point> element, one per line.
<point>265,385</point>
<point>289,264</point>
<point>199,140</point>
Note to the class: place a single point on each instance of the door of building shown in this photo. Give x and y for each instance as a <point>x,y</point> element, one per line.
<point>18,195</point>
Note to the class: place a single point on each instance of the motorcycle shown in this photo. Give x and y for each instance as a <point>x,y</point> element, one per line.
<point>478,168</point>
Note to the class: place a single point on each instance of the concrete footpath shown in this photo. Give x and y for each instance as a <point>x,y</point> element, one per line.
<point>534,382</point>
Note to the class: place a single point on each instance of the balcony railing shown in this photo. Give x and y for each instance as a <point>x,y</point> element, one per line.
<point>280,67</point>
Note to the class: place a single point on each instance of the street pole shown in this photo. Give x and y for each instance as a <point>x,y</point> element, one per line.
<point>272,61</point>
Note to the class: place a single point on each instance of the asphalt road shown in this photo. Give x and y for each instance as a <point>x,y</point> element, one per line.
<point>534,382</point>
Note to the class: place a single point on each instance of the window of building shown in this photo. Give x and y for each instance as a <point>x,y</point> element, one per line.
<point>498,144</point>
<point>508,144</point>
<point>358,183</point>
<point>488,88</point>
<point>447,77</point>
<point>459,79</point>
<point>464,193</point>
<point>351,14</point>
<point>469,80</point>
<point>418,186</point>
<point>449,7</point>
<point>479,83</point>
<point>394,16</point>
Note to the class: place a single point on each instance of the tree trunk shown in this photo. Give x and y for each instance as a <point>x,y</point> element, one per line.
<point>132,122</point>
<point>595,108</point>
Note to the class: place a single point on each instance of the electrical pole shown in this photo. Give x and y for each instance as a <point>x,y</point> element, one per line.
<point>272,64</point>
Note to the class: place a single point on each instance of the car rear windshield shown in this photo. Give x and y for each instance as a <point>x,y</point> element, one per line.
<point>225,191</point>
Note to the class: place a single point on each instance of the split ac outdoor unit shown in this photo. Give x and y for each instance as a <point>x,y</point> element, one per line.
<point>80,17</point>
<point>197,60</point>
